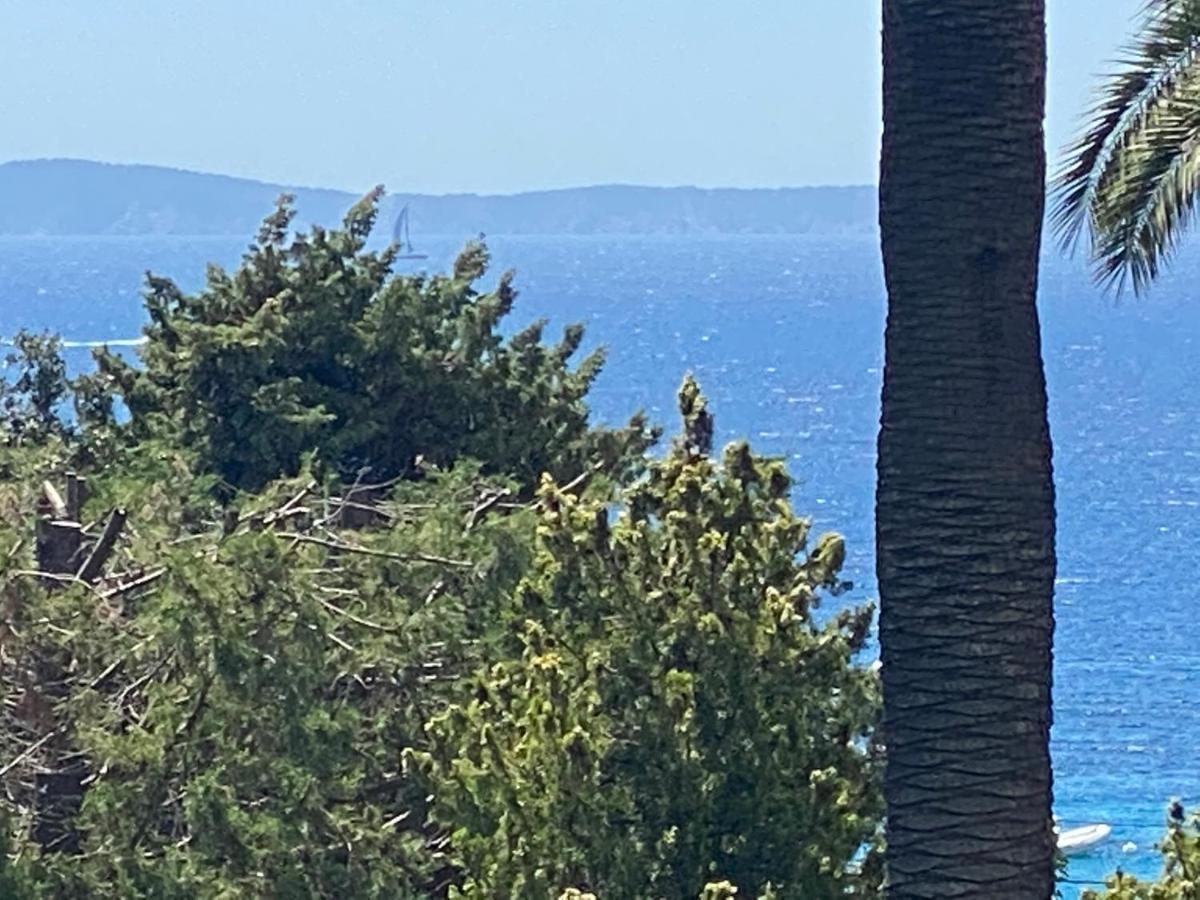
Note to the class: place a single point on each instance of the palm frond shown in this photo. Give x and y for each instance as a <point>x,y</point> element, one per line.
<point>1136,145</point>
<point>1147,203</point>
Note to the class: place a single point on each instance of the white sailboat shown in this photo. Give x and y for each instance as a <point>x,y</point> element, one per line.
<point>402,240</point>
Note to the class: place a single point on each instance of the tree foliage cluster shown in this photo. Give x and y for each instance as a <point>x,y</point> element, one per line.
<point>1180,879</point>
<point>387,616</point>
<point>313,346</point>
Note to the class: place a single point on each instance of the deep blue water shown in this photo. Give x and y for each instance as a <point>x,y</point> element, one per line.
<point>785,335</point>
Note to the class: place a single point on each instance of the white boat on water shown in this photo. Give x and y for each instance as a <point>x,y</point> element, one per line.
<point>1074,841</point>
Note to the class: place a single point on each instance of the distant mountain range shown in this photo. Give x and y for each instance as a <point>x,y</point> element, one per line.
<point>77,197</point>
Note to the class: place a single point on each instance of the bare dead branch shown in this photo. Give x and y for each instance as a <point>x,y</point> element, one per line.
<point>57,505</point>
<point>383,554</point>
<point>104,546</point>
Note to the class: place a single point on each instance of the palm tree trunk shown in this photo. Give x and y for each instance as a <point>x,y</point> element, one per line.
<point>965,502</point>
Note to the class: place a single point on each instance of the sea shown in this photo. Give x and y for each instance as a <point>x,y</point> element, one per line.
<point>785,334</point>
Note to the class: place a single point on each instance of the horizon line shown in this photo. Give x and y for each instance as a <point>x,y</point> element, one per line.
<point>515,193</point>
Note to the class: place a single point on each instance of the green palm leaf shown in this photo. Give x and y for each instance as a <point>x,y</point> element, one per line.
<point>1131,181</point>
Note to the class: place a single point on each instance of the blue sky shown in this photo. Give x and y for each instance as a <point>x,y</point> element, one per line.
<point>480,95</point>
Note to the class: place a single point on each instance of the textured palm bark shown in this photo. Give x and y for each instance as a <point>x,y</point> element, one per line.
<point>965,503</point>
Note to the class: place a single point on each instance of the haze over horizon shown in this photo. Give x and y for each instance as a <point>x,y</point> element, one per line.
<point>277,182</point>
<point>483,97</point>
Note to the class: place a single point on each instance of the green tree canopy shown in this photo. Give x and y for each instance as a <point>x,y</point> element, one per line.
<point>673,712</point>
<point>313,346</point>
<point>549,665</point>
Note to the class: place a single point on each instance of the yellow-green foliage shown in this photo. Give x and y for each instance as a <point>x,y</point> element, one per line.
<point>673,711</point>
<point>1181,866</point>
